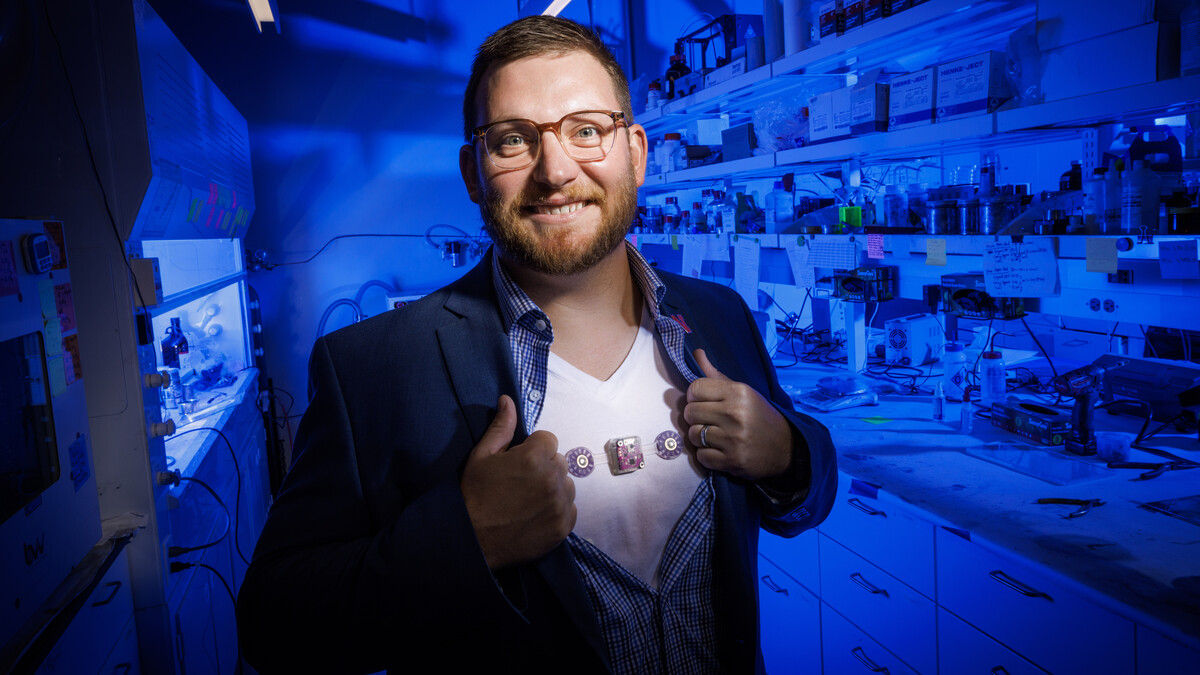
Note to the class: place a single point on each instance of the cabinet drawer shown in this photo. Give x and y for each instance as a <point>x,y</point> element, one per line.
<point>849,651</point>
<point>1157,653</point>
<point>97,627</point>
<point>962,650</point>
<point>789,622</point>
<point>123,660</point>
<point>796,556</point>
<point>1028,611</point>
<point>885,533</point>
<point>901,619</point>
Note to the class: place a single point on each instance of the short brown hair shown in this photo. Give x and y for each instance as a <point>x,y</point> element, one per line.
<point>539,36</point>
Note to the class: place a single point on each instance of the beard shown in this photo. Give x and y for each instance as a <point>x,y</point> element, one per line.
<point>561,252</point>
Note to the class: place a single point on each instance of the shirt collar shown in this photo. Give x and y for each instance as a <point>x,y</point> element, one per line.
<point>515,303</point>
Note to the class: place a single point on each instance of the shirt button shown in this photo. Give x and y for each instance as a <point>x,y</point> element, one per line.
<point>540,325</point>
<point>535,395</point>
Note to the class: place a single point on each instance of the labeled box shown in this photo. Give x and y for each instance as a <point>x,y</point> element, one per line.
<point>841,112</point>
<point>831,18</point>
<point>971,86</point>
<point>820,117</point>
<point>738,142</point>
<point>868,107</point>
<point>910,99</point>
<point>1138,55</point>
<point>725,72</point>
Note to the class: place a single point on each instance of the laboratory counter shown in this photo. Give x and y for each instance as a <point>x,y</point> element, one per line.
<point>984,486</point>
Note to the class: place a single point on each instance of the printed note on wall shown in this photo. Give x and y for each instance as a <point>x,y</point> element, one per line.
<point>693,255</point>
<point>1021,270</point>
<point>1177,259</point>
<point>798,252</point>
<point>745,269</point>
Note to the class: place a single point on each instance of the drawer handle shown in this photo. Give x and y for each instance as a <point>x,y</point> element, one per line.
<point>868,586</point>
<point>1017,586</point>
<point>999,670</point>
<point>770,583</point>
<point>115,586</point>
<point>864,508</point>
<point>866,661</point>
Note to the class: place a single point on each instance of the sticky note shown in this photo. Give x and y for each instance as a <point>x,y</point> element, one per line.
<point>56,370</point>
<point>46,297</point>
<point>875,246</point>
<point>935,252</point>
<point>1102,255</point>
<point>745,270</point>
<point>633,238</point>
<point>64,306</point>
<point>1177,259</point>
<point>875,419</point>
<point>675,242</point>
<point>1020,270</point>
<point>798,253</point>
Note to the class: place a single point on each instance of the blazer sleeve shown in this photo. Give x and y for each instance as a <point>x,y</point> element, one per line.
<point>331,588</point>
<point>803,497</point>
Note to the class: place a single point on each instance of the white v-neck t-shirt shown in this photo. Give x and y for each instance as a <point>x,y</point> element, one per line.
<point>628,516</point>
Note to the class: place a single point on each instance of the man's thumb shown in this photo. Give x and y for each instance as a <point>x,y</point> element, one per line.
<point>706,366</point>
<point>500,432</point>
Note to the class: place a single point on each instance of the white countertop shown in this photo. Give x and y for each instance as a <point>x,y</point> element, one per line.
<point>1142,564</point>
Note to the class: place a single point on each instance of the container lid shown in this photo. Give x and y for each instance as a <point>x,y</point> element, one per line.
<point>953,347</point>
<point>672,136</point>
<point>992,355</point>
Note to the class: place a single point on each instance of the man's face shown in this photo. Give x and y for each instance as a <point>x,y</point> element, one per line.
<point>557,216</point>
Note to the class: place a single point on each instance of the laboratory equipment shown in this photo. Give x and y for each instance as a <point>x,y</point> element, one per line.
<point>49,509</point>
<point>1085,385</point>
<point>995,382</point>
<point>915,340</point>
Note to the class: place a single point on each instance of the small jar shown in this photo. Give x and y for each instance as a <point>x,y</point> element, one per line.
<point>993,214</point>
<point>941,216</point>
<point>968,216</point>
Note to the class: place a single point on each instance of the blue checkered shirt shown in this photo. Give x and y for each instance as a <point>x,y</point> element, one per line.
<point>672,630</point>
<point>530,333</point>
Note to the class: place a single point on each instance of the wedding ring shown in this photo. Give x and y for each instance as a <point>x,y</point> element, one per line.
<point>704,436</point>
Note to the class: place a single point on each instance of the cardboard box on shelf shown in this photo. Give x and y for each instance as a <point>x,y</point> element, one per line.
<point>910,99</point>
<point>868,107</point>
<point>971,86</point>
<point>1134,56</point>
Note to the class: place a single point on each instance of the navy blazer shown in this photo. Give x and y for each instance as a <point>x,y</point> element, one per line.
<point>368,559</point>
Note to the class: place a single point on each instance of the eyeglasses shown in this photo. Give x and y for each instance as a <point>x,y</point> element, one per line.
<point>586,136</point>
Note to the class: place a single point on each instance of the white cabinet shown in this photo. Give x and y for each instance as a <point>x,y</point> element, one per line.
<point>847,650</point>
<point>104,623</point>
<point>789,621</point>
<point>901,619</point>
<point>1031,612</point>
<point>796,556</point>
<point>964,650</point>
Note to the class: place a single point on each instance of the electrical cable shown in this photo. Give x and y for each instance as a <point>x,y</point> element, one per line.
<point>176,551</point>
<point>87,142</point>
<point>181,566</point>
<point>1146,338</point>
<point>237,504</point>
<point>1040,347</point>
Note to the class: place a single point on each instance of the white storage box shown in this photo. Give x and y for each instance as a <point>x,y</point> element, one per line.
<point>910,99</point>
<point>971,86</point>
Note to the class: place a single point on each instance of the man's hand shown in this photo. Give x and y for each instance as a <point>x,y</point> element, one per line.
<point>747,437</point>
<point>520,499</point>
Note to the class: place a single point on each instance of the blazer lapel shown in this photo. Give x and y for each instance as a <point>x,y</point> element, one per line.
<point>478,359</point>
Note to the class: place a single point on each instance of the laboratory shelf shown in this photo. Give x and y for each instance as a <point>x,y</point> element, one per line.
<point>893,145</point>
<point>1160,99</point>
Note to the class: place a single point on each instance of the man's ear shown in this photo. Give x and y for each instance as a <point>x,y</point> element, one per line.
<point>638,151</point>
<point>468,165</point>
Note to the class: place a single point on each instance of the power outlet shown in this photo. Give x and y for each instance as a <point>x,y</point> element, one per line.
<point>1108,305</point>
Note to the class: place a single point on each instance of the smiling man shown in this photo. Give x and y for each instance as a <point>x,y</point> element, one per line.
<point>558,463</point>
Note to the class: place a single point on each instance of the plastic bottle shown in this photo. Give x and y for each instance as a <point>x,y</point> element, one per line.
<point>1072,178</point>
<point>685,222</point>
<point>779,209</point>
<point>796,17</point>
<point>670,152</point>
<point>1110,222</point>
<point>699,219</point>
<point>654,95</point>
<point>954,371</point>
<point>995,385</point>
<point>1189,39</point>
<point>729,209</point>
<point>1139,200</point>
<point>814,23</point>
<point>671,210</point>
<point>939,403</point>
<point>966,415</point>
<point>1093,200</point>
